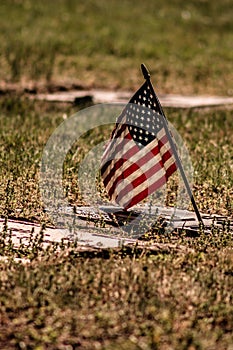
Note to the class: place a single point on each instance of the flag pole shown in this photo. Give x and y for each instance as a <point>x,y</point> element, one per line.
<point>146,75</point>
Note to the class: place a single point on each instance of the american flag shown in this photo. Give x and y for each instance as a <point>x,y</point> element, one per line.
<point>138,158</point>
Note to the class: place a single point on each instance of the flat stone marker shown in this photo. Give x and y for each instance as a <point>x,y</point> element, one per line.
<point>107,226</point>
<point>102,96</point>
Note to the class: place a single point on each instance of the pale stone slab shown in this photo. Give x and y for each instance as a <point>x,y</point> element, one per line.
<point>102,96</point>
<point>21,231</point>
<point>88,233</point>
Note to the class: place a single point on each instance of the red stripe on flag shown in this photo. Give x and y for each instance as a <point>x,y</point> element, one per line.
<point>117,164</point>
<point>132,168</point>
<point>171,170</point>
<point>142,178</point>
<point>146,192</point>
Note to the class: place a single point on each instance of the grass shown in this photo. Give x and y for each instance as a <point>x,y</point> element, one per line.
<point>187,46</point>
<point>21,153</point>
<point>60,298</point>
<point>130,298</point>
